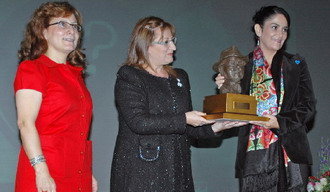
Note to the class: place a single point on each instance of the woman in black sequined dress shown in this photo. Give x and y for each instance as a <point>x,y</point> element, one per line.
<point>156,120</point>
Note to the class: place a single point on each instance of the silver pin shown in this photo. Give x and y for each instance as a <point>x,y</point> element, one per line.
<point>179,83</point>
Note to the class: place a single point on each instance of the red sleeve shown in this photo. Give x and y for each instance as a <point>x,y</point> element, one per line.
<point>30,75</point>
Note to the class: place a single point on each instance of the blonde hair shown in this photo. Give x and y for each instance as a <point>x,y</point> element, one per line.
<point>142,37</point>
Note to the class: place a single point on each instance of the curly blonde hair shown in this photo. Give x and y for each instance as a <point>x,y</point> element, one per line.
<point>34,43</point>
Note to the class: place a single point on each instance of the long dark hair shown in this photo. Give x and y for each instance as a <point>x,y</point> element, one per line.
<point>265,13</point>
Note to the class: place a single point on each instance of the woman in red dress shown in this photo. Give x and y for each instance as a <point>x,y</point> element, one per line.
<point>54,107</point>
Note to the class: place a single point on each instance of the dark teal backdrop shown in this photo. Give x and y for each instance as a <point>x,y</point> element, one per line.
<point>204,28</point>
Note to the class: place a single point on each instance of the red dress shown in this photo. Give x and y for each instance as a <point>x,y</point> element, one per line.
<point>63,125</point>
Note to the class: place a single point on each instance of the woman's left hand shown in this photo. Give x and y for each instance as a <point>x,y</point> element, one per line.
<point>223,125</point>
<point>94,184</point>
<point>271,123</point>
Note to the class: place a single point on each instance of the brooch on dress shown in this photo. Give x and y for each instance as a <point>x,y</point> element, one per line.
<point>179,83</point>
<point>297,61</point>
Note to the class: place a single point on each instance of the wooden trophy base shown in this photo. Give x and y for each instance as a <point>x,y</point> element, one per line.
<point>229,106</point>
<point>234,117</point>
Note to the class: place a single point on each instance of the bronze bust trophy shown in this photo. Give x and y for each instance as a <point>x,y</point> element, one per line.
<point>230,104</point>
<point>231,66</point>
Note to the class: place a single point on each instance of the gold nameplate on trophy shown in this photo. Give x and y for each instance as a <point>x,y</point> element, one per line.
<point>229,106</point>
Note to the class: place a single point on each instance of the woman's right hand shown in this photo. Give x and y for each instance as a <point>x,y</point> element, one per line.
<point>44,182</point>
<point>194,118</point>
<point>219,80</point>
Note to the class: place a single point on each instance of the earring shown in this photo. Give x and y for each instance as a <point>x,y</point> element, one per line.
<point>258,42</point>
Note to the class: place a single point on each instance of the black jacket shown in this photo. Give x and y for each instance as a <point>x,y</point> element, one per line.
<point>152,151</point>
<point>298,108</point>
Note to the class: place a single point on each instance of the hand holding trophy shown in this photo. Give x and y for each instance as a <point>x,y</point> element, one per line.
<point>230,104</point>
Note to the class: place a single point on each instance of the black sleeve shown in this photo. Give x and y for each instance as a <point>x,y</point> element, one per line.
<point>303,110</point>
<point>132,104</point>
<point>201,132</point>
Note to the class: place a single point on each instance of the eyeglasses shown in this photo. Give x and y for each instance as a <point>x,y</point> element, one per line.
<point>166,42</point>
<point>67,25</point>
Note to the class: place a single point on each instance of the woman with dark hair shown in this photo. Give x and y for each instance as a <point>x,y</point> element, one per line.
<point>152,151</point>
<point>274,155</point>
<point>54,107</point>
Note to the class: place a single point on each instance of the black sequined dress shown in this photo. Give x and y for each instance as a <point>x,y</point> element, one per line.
<point>152,151</point>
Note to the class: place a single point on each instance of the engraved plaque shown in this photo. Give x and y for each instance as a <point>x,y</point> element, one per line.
<point>229,106</point>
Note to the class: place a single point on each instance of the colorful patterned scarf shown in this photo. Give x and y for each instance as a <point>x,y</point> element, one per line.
<point>263,88</point>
